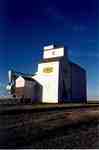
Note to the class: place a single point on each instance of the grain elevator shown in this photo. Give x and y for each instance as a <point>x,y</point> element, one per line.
<point>57,80</point>
<point>62,81</point>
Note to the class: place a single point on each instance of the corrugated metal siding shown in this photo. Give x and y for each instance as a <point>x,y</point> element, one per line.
<point>31,90</point>
<point>72,83</point>
<point>64,81</point>
<point>19,91</point>
<point>78,83</point>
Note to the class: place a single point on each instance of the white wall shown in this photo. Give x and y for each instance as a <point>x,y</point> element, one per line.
<point>20,82</point>
<point>48,77</point>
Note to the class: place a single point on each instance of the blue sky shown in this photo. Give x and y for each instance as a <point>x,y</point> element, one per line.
<point>27,25</point>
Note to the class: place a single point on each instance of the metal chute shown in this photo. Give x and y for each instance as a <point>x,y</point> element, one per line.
<point>10,76</point>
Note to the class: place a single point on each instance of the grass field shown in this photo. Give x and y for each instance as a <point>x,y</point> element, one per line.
<point>24,126</point>
<point>45,106</point>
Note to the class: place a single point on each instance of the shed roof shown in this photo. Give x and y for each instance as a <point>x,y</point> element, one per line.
<point>28,78</point>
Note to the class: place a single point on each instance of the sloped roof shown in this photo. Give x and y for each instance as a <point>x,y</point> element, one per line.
<point>28,78</point>
<point>77,65</point>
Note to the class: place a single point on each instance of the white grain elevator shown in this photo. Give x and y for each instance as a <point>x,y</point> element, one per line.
<point>59,77</point>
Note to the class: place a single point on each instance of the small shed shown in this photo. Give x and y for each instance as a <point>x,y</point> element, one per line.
<point>28,88</point>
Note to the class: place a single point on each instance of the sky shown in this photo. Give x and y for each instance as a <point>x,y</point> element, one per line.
<point>27,25</point>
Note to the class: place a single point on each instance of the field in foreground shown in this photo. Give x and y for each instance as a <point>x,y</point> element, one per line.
<point>49,126</point>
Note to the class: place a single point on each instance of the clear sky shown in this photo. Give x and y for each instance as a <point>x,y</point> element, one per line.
<point>27,25</point>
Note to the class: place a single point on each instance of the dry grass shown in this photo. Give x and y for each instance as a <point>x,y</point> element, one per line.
<point>46,106</point>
